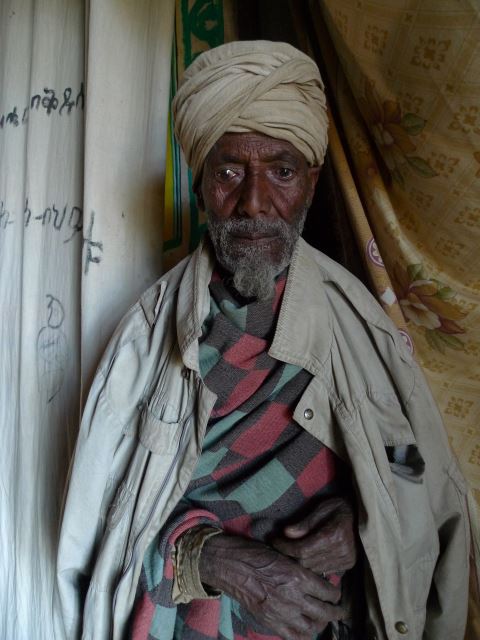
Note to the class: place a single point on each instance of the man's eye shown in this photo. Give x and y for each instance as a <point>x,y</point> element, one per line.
<point>285,172</point>
<point>225,174</point>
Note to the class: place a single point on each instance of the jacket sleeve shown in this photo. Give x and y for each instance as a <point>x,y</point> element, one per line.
<point>105,444</point>
<point>448,598</point>
<point>91,483</point>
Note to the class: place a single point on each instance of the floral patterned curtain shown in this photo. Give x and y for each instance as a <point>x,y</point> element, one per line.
<point>405,78</point>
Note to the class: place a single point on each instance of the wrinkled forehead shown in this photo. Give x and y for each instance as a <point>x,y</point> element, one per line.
<point>244,147</point>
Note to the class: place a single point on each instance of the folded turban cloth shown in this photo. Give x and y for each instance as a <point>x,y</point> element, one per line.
<point>260,86</point>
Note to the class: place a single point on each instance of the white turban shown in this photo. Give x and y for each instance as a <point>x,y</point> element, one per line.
<point>266,87</point>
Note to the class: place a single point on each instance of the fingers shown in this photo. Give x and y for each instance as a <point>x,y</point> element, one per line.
<point>301,631</point>
<point>329,548</point>
<point>319,611</point>
<point>293,633</point>
<point>317,615</point>
<point>319,543</point>
<point>302,583</point>
<point>320,559</point>
<point>306,626</point>
<point>322,513</point>
<point>288,598</point>
<point>320,589</point>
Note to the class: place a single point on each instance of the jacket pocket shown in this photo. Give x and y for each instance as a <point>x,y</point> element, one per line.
<point>390,420</point>
<point>119,505</point>
<point>160,436</point>
<point>169,404</point>
<point>388,442</point>
<point>405,461</point>
<point>170,394</point>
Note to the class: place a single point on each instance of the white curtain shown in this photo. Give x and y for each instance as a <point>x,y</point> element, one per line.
<point>84,91</point>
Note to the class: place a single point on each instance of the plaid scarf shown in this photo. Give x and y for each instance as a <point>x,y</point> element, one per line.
<point>258,471</point>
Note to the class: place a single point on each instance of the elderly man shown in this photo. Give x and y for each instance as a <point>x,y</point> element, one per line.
<point>253,394</point>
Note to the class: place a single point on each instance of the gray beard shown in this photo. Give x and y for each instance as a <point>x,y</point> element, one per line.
<point>253,271</point>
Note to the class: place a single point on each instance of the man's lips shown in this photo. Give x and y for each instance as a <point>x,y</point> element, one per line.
<point>253,237</point>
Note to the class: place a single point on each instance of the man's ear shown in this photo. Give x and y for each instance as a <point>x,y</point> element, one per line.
<point>199,198</point>
<point>313,173</point>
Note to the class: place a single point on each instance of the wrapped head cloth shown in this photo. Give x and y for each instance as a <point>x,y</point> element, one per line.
<point>260,86</point>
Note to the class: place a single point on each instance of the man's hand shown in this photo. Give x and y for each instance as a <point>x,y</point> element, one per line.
<point>288,599</point>
<point>324,541</point>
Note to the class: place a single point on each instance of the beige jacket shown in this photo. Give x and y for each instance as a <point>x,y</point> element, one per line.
<point>145,419</point>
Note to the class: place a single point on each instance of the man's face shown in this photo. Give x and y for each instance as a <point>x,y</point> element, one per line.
<point>256,191</point>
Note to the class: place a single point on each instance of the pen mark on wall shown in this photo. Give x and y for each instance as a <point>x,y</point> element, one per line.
<point>91,245</point>
<point>67,221</point>
<point>52,350</point>
<point>57,218</point>
<point>67,218</point>
<point>48,102</point>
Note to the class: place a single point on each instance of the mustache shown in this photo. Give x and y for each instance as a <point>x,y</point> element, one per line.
<point>276,226</point>
<point>253,225</point>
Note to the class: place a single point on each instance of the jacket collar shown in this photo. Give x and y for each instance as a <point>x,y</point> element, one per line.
<point>191,313</point>
<point>304,329</point>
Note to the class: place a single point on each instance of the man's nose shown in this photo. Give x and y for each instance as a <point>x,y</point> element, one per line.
<point>254,198</point>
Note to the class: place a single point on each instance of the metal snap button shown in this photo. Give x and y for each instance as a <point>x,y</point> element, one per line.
<point>308,414</point>
<point>401,627</point>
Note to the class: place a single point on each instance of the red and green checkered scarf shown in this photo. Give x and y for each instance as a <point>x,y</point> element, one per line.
<point>258,471</point>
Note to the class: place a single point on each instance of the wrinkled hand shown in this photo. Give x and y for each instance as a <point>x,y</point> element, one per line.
<point>324,541</point>
<point>288,599</point>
